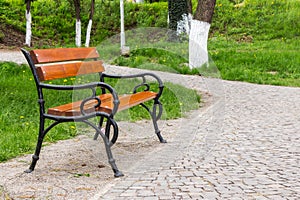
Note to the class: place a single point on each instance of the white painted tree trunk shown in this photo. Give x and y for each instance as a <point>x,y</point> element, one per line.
<point>183,26</point>
<point>198,55</point>
<point>88,33</point>
<point>124,49</point>
<point>78,33</point>
<point>28,28</point>
<point>122,35</point>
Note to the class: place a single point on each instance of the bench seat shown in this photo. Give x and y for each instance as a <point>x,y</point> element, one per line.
<point>126,101</point>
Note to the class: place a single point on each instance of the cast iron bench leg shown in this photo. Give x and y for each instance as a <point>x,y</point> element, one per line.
<point>41,136</point>
<point>108,145</point>
<point>156,117</point>
<point>35,157</point>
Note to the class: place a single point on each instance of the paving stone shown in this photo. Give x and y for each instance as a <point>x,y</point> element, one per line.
<point>150,198</point>
<point>145,193</point>
<point>165,197</point>
<point>210,195</point>
<point>244,146</point>
<point>128,193</point>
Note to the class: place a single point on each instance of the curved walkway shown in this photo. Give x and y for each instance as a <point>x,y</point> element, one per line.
<point>243,144</point>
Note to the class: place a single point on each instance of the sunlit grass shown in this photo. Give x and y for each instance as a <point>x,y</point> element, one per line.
<point>274,62</point>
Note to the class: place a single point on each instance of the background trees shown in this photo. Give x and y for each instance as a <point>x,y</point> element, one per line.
<point>28,22</point>
<point>200,26</point>
<point>78,23</point>
<point>89,27</point>
<point>178,13</point>
<point>76,5</point>
<point>54,21</point>
<point>196,25</point>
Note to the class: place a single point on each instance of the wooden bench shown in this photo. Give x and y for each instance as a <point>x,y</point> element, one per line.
<point>104,103</point>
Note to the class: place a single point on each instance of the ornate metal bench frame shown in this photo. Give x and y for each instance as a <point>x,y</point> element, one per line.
<point>87,110</point>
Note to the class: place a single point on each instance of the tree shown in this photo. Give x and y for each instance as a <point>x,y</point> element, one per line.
<point>89,27</point>
<point>28,22</point>
<point>78,23</point>
<point>198,37</point>
<point>196,26</point>
<point>178,12</point>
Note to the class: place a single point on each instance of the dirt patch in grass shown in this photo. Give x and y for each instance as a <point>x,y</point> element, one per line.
<point>11,38</point>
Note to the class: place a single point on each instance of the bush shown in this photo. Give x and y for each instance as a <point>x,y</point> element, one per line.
<point>55,20</point>
<point>260,19</point>
<point>136,15</point>
<point>1,36</point>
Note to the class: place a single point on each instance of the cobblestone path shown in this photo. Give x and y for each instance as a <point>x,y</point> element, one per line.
<point>245,144</point>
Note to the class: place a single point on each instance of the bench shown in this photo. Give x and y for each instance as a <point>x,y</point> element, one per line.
<point>103,103</point>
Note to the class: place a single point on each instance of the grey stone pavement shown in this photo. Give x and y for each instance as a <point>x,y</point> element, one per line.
<point>244,144</point>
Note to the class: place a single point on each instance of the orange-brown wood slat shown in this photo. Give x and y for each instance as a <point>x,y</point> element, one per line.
<point>40,56</point>
<point>63,70</point>
<point>129,101</point>
<point>71,109</point>
<point>126,101</point>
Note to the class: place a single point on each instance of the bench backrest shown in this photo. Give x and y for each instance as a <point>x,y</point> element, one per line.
<point>65,62</point>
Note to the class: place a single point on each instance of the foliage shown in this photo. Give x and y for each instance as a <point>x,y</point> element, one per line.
<point>1,35</point>
<point>259,19</point>
<point>136,15</point>
<point>54,21</point>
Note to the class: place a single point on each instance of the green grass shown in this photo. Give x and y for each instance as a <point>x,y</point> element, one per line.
<point>274,62</point>
<point>19,114</point>
<point>155,59</point>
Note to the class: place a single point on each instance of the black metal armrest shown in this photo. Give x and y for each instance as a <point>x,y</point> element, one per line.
<point>141,75</point>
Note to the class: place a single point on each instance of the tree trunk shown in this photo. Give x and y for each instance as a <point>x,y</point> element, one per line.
<point>28,23</point>
<point>178,16</point>
<point>78,23</point>
<point>198,54</point>
<point>189,7</point>
<point>89,28</point>
<point>205,10</point>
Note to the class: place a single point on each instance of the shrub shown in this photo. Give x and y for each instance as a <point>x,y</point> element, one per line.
<point>55,20</point>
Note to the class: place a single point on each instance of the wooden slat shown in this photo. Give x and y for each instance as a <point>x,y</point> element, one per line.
<point>71,109</point>
<point>126,101</point>
<point>40,56</point>
<point>63,70</point>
